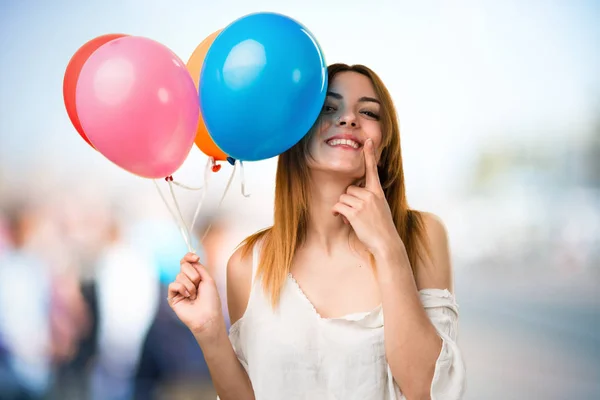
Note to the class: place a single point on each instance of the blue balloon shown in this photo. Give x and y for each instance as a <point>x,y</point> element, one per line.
<point>262,86</point>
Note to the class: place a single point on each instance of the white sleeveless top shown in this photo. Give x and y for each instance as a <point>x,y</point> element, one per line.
<point>292,353</point>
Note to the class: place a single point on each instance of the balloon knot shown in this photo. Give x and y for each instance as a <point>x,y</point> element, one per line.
<point>169,178</point>
<point>216,167</point>
<point>231,160</point>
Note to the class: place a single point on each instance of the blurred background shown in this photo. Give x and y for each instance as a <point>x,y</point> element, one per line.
<point>499,105</point>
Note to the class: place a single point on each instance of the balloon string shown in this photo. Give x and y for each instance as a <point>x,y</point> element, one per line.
<point>183,224</point>
<point>183,233</point>
<point>207,171</point>
<point>221,200</point>
<point>181,185</point>
<point>243,180</point>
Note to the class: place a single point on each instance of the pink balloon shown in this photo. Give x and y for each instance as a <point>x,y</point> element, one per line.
<point>138,105</point>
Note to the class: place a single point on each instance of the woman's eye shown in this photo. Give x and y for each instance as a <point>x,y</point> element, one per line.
<point>328,109</point>
<point>371,114</point>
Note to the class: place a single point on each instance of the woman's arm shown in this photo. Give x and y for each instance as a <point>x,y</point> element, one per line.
<point>413,344</point>
<point>228,375</point>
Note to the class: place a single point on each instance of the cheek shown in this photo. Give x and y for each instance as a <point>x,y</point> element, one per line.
<point>373,131</point>
<point>324,124</point>
<point>319,131</point>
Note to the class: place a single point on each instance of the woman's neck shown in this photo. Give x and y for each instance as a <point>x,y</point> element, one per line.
<point>325,230</point>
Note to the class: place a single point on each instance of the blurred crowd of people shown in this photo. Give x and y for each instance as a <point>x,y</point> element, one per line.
<point>83,310</point>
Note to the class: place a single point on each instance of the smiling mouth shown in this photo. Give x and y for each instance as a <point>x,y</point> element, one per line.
<point>343,143</point>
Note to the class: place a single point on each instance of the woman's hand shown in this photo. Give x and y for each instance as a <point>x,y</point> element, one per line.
<point>194,297</point>
<point>366,209</point>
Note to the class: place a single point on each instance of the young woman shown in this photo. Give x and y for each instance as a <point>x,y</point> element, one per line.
<point>349,295</point>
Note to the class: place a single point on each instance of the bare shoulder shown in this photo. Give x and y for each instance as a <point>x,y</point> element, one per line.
<point>239,281</point>
<point>435,228</point>
<point>435,269</point>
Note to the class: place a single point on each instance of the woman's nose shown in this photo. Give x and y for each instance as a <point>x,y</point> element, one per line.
<point>347,119</point>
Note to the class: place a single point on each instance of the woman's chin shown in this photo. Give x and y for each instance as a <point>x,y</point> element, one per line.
<point>341,170</point>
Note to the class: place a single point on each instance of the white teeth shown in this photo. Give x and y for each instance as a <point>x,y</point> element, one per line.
<point>347,142</point>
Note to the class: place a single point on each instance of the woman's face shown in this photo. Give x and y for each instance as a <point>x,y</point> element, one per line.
<point>350,116</point>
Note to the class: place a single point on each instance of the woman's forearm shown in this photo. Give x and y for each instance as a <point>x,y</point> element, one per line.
<point>228,375</point>
<point>411,341</point>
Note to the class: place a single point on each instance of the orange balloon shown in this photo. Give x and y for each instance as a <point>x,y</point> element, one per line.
<point>194,66</point>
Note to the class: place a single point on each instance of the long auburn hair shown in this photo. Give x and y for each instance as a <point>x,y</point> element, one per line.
<point>291,215</point>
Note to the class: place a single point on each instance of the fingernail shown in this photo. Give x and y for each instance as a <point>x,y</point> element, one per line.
<point>187,294</point>
<point>196,258</point>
